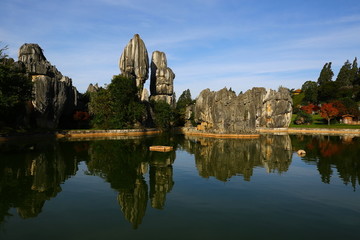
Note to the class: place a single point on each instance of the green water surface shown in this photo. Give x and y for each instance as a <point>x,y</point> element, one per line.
<point>205,189</point>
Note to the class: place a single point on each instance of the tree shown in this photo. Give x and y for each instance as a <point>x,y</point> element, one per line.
<point>303,117</point>
<point>15,89</point>
<point>310,90</point>
<point>340,107</point>
<point>326,74</point>
<point>117,106</point>
<point>181,105</point>
<point>184,99</point>
<point>354,74</point>
<point>310,108</point>
<point>126,105</point>
<point>328,91</point>
<point>328,111</point>
<point>164,115</point>
<point>345,76</point>
<point>101,109</point>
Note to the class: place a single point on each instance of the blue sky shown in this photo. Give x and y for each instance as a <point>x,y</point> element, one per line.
<point>209,43</point>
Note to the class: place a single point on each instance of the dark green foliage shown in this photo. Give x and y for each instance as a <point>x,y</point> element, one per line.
<point>183,101</point>
<point>326,74</point>
<point>351,106</point>
<point>328,91</point>
<point>117,106</point>
<point>297,101</point>
<point>164,114</point>
<point>303,118</point>
<point>310,90</point>
<point>345,76</point>
<point>101,108</point>
<point>15,90</point>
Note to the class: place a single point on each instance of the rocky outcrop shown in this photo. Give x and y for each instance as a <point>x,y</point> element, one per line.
<point>134,62</point>
<point>162,79</point>
<point>54,95</point>
<point>225,112</point>
<point>92,88</point>
<point>273,108</point>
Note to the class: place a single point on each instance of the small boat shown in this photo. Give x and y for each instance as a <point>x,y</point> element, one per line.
<point>161,148</point>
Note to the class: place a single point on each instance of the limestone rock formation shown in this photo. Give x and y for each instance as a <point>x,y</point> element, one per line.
<point>162,79</point>
<point>273,108</point>
<point>145,95</point>
<point>54,95</point>
<point>92,88</point>
<point>225,112</point>
<point>134,62</point>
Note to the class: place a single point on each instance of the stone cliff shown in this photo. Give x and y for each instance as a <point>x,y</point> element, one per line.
<point>225,112</point>
<point>54,95</point>
<point>162,79</point>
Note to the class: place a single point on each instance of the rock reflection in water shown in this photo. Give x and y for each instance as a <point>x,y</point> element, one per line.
<point>32,175</point>
<point>123,164</point>
<point>224,158</point>
<point>161,177</point>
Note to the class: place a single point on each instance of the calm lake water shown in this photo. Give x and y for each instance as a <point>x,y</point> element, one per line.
<point>205,189</point>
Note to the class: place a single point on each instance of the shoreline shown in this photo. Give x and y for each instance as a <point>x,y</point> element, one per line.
<point>105,133</point>
<point>310,131</point>
<point>192,132</point>
<point>80,134</point>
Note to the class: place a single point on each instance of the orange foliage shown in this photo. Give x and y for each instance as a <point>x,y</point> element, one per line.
<point>328,111</point>
<point>310,108</point>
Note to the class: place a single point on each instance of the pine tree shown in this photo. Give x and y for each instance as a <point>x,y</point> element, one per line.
<point>354,75</point>
<point>344,78</point>
<point>310,90</point>
<point>326,74</point>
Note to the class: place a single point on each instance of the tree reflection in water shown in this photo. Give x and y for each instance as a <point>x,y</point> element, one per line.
<point>332,154</point>
<point>123,163</point>
<point>33,175</point>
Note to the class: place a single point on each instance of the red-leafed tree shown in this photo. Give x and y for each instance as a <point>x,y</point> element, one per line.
<point>328,111</point>
<point>310,108</point>
<point>340,107</point>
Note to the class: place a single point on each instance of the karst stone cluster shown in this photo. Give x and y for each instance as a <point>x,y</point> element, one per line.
<point>134,64</point>
<point>222,111</point>
<point>226,112</point>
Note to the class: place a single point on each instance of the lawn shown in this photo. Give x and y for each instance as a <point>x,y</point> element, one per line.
<point>319,122</point>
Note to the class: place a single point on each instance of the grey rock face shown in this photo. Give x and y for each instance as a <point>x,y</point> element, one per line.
<point>225,112</point>
<point>35,62</point>
<point>134,61</point>
<point>54,94</point>
<point>162,79</point>
<point>273,108</point>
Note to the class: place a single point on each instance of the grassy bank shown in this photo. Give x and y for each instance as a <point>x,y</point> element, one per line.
<point>318,122</point>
